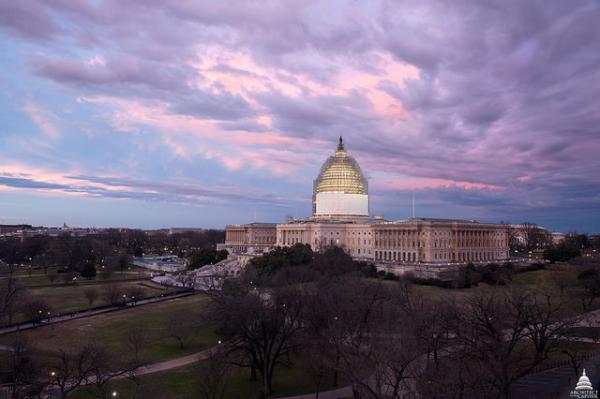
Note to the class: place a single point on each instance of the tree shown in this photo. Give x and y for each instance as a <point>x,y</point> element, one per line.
<point>111,293</point>
<point>505,335</point>
<point>561,252</point>
<point>105,272</point>
<point>11,291</point>
<point>35,310</point>
<point>205,256</point>
<point>180,325</point>
<point>267,264</point>
<point>134,293</point>
<point>369,334</point>
<point>52,275</point>
<point>214,372</point>
<point>534,236</point>
<point>124,260</point>
<point>260,331</point>
<point>69,370</point>
<point>102,364</point>
<point>22,369</point>
<point>88,270</point>
<point>91,294</point>
<point>68,277</point>
<point>589,281</point>
<point>579,241</point>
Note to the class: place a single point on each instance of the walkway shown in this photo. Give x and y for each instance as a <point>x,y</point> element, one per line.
<point>339,393</point>
<point>87,313</point>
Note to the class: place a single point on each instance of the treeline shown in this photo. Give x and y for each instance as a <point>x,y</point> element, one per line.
<point>71,252</point>
<point>300,263</point>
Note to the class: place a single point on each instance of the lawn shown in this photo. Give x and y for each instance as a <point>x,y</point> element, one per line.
<point>69,298</point>
<point>40,278</point>
<point>181,384</point>
<point>548,279</point>
<point>62,299</point>
<point>110,330</point>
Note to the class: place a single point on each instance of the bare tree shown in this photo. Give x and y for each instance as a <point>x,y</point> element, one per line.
<point>180,325</point>
<point>91,294</point>
<point>11,291</point>
<point>534,236</point>
<point>134,293</point>
<point>36,310</point>
<point>103,364</point>
<point>261,328</point>
<point>214,374</point>
<point>111,293</point>
<point>106,271</point>
<point>68,371</point>
<point>22,369</point>
<point>506,335</point>
<point>384,338</point>
<point>68,277</point>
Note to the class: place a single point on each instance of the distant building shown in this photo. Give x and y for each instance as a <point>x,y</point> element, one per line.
<point>557,238</point>
<point>178,230</point>
<point>250,238</point>
<point>341,218</point>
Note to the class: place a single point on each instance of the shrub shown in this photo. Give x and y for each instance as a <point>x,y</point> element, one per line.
<point>561,253</point>
<point>390,276</point>
<point>533,267</point>
<point>433,281</point>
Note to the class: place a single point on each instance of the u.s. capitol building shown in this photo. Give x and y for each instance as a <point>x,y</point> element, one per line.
<point>340,216</point>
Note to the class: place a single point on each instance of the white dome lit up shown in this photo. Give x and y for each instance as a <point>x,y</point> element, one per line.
<point>340,189</point>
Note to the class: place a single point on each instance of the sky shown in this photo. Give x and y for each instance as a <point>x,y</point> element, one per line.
<point>190,113</point>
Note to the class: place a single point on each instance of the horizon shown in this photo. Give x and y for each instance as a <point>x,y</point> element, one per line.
<point>483,113</point>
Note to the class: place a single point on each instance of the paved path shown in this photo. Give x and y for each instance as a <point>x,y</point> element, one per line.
<point>344,392</point>
<point>87,313</point>
<point>173,363</point>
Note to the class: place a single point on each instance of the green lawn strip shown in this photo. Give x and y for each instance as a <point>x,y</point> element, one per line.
<point>182,383</point>
<point>109,330</point>
<point>71,298</point>
<point>544,279</point>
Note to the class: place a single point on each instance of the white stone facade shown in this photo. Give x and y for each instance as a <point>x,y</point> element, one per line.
<point>412,241</point>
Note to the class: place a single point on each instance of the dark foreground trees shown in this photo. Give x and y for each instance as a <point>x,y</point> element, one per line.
<point>387,340</point>
<point>261,330</point>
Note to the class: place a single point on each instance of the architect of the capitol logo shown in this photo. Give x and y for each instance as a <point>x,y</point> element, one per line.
<point>584,388</point>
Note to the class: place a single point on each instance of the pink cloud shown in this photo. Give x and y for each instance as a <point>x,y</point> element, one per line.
<point>43,119</point>
<point>395,183</point>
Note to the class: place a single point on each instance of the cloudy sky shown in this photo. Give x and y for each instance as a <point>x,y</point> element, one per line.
<point>179,113</point>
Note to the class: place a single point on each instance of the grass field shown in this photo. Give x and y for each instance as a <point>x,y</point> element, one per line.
<point>69,298</point>
<point>182,384</point>
<point>40,278</point>
<point>109,329</point>
<point>548,279</point>
<point>62,299</point>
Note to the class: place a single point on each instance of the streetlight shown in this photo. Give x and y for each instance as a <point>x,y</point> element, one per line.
<point>114,394</point>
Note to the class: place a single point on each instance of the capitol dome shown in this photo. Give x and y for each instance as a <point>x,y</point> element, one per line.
<point>341,188</point>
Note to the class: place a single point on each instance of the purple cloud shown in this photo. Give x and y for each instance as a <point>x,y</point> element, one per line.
<point>487,94</point>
